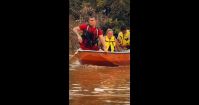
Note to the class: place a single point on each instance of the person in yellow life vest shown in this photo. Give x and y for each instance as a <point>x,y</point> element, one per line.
<point>124,38</point>
<point>110,41</point>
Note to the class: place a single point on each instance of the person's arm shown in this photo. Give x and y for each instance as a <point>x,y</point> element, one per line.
<point>117,46</point>
<point>102,40</point>
<point>119,40</point>
<point>100,44</point>
<point>76,29</point>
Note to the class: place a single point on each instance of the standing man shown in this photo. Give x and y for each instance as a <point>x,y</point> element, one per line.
<point>91,34</point>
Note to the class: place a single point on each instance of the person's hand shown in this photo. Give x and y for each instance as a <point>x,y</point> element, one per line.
<point>105,50</point>
<point>79,39</point>
<point>118,48</point>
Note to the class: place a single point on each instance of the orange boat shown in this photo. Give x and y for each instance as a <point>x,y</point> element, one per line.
<point>102,58</point>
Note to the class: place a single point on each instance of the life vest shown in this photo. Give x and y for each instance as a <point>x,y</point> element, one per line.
<point>124,39</point>
<point>110,43</point>
<point>89,39</point>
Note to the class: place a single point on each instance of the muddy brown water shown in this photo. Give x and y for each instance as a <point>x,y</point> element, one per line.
<point>99,85</point>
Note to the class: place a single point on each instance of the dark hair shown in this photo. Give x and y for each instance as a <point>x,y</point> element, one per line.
<point>123,27</point>
<point>92,16</point>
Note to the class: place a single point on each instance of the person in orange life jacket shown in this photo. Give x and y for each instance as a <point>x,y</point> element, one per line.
<point>91,34</point>
<point>110,41</point>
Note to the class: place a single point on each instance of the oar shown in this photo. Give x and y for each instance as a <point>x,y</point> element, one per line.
<point>74,57</point>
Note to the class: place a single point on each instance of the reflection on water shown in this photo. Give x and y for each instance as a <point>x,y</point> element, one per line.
<point>98,85</point>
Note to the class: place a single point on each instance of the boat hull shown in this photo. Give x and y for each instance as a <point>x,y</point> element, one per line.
<point>104,59</point>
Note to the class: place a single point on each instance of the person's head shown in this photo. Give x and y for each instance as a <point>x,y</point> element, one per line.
<point>109,32</point>
<point>92,20</point>
<point>88,5</point>
<point>123,29</point>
